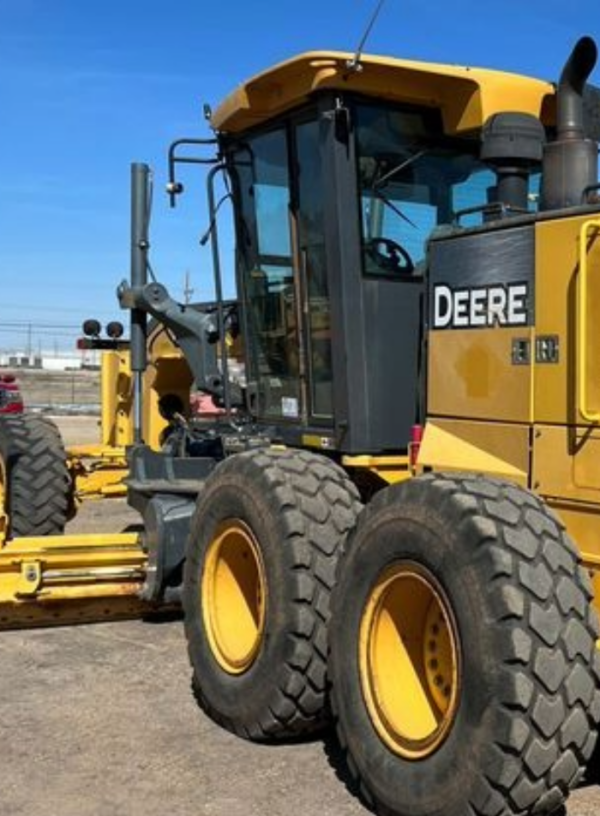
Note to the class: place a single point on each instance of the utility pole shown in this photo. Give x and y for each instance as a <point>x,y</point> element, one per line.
<point>187,290</point>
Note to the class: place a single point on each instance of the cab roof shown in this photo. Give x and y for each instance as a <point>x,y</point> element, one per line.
<point>466,96</point>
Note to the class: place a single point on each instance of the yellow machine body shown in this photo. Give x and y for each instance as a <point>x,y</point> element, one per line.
<point>524,423</point>
<point>99,470</point>
<point>465,96</point>
<point>534,421</point>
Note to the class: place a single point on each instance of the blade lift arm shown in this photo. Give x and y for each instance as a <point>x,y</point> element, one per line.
<point>196,333</point>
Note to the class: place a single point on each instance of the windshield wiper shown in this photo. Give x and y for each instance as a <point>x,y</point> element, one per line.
<point>393,207</point>
<point>383,180</point>
<point>380,182</point>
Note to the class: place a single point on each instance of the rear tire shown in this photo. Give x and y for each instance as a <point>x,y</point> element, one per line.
<point>525,671</point>
<point>261,563</point>
<point>37,481</point>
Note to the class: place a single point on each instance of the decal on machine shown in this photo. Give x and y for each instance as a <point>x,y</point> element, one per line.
<point>480,306</point>
<point>483,279</point>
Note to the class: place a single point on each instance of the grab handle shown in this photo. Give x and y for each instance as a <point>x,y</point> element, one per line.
<point>582,334</point>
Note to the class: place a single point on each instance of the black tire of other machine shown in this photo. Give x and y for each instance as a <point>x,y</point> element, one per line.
<point>38,482</point>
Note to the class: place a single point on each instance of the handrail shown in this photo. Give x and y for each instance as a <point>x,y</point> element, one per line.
<point>582,333</point>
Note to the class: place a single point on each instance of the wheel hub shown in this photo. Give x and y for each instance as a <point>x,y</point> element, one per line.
<point>233,597</point>
<point>409,661</point>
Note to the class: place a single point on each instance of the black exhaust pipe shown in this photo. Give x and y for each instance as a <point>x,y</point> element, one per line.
<point>571,162</point>
<point>570,89</point>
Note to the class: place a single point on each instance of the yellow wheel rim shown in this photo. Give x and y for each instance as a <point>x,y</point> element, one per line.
<point>409,661</point>
<point>233,597</point>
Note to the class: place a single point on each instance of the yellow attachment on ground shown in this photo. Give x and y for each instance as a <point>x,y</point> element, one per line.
<point>98,471</point>
<point>389,468</point>
<point>42,578</point>
<point>465,96</point>
<point>409,661</point>
<point>234,597</point>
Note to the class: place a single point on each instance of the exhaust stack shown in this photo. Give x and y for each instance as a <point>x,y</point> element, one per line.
<point>571,162</point>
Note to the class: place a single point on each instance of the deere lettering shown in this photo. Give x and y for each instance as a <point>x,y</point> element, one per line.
<point>479,307</point>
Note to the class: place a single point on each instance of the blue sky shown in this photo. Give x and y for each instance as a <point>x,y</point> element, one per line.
<point>86,87</point>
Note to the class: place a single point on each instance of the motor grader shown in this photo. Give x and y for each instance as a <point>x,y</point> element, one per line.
<point>397,514</point>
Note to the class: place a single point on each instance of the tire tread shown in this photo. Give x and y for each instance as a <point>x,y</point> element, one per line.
<point>39,482</point>
<point>540,596</point>
<point>317,506</point>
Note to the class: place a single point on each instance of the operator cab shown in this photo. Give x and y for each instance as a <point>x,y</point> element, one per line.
<point>336,195</point>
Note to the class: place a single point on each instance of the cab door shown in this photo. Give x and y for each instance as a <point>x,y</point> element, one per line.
<point>267,276</point>
<point>309,225</point>
<point>282,273</point>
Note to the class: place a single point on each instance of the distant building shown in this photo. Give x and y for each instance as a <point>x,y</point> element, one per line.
<point>51,361</point>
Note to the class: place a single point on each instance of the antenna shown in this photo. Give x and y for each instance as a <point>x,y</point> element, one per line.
<point>354,63</point>
<point>188,290</point>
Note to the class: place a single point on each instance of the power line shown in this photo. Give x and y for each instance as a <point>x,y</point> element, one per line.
<point>35,326</point>
<point>45,333</point>
<point>76,309</point>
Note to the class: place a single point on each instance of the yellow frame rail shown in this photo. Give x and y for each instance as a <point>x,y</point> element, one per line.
<point>389,468</point>
<point>66,578</point>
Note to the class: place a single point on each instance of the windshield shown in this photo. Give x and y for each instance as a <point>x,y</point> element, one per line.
<point>412,178</point>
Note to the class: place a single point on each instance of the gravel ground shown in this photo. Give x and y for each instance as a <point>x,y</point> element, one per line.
<point>99,720</point>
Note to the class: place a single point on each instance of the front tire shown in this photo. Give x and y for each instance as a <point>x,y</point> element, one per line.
<point>261,563</point>
<point>465,674</point>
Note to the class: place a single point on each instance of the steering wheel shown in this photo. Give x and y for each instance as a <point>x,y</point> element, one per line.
<point>390,256</point>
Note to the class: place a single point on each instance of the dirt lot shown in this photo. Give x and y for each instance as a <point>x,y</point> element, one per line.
<point>100,721</point>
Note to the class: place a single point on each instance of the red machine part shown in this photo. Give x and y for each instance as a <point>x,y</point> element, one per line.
<point>11,401</point>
